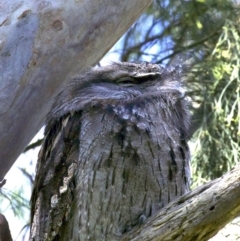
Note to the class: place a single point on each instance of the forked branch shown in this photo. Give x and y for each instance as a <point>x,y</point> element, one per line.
<point>198,215</point>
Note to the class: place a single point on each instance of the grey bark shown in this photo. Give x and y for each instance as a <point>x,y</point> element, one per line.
<point>42,44</point>
<point>5,234</point>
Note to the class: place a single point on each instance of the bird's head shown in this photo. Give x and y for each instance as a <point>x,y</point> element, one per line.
<point>119,82</point>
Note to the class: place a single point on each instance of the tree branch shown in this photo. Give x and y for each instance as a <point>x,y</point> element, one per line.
<point>196,216</point>
<point>43,44</point>
<point>5,234</point>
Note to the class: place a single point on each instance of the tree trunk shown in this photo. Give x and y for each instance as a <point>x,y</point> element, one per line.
<point>43,44</point>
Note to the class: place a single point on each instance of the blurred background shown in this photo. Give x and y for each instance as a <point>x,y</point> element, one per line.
<point>203,36</point>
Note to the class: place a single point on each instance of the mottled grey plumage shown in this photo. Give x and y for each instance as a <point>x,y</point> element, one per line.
<point>115,152</point>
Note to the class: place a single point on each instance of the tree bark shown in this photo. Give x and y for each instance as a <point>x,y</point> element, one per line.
<point>197,215</point>
<point>5,234</point>
<point>43,44</point>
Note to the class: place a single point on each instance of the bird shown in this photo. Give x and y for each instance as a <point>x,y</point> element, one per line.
<point>115,152</point>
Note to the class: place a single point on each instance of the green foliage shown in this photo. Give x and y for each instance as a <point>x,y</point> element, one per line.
<point>176,27</point>
<point>218,139</point>
<point>16,201</point>
<point>13,200</point>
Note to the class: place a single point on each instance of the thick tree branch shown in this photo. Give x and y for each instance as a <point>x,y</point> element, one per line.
<point>196,216</point>
<point>43,44</point>
<point>5,234</point>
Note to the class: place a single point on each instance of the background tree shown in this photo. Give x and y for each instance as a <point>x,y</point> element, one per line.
<point>207,32</point>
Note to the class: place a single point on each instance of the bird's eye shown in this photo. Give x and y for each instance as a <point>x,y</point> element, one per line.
<point>126,80</point>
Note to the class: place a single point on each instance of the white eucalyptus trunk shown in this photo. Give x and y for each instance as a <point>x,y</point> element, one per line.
<point>42,44</point>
